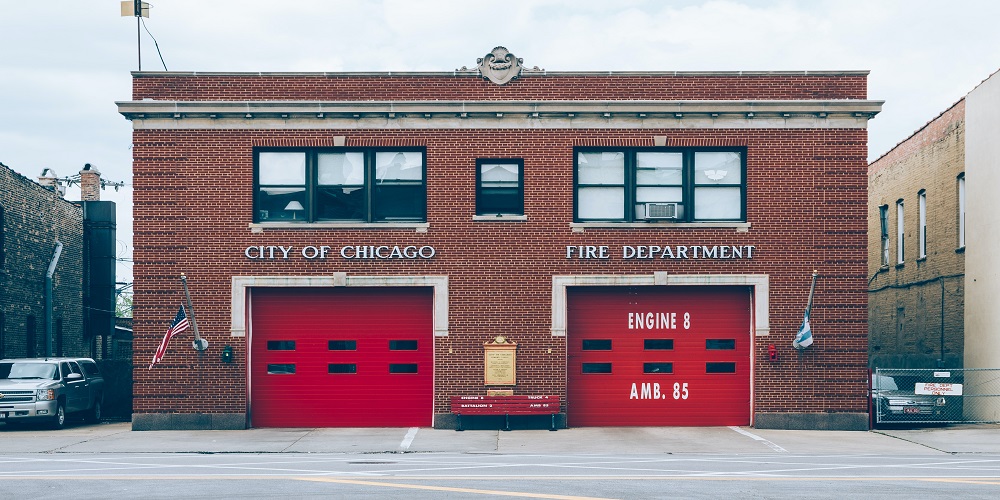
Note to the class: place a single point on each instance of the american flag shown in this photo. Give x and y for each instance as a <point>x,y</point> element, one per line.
<point>179,325</point>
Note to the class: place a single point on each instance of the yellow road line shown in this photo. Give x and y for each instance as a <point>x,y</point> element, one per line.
<point>448,489</point>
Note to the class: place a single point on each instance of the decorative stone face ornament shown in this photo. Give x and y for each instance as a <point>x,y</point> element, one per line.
<point>499,66</point>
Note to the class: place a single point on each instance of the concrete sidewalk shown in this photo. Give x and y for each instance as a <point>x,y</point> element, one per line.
<point>119,438</point>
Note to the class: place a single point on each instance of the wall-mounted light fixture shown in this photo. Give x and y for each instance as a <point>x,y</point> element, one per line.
<point>227,354</point>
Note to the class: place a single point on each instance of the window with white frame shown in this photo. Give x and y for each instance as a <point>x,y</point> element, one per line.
<point>341,184</point>
<point>961,210</point>
<point>883,216</point>
<point>649,184</point>
<point>922,227</point>
<point>899,232</point>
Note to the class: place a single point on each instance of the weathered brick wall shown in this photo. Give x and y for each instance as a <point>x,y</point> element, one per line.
<point>916,309</point>
<point>33,219</point>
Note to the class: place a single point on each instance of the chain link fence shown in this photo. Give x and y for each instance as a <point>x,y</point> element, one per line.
<point>909,396</point>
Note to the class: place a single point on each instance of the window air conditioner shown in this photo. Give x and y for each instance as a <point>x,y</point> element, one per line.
<point>662,210</point>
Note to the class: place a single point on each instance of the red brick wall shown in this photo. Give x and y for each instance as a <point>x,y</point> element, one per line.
<point>230,87</point>
<point>806,203</point>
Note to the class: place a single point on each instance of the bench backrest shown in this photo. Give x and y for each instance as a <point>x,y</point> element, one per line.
<point>494,405</point>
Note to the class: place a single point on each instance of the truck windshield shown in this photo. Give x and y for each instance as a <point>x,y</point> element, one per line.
<point>29,371</point>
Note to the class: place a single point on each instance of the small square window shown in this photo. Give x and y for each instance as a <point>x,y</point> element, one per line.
<point>500,187</point>
<point>342,368</point>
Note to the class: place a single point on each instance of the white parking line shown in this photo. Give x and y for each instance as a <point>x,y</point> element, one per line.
<point>408,440</point>
<point>758,438</point>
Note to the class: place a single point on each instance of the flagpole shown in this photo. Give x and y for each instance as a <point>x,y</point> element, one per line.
<point>812,289</point>
<point>803,339</point>
<point>201,344</point>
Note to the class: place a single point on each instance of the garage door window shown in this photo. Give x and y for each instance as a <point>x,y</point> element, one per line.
<point>596,344</point>
<point>280,345</point>
<point>657,368</point>
<point>658,344</point>
<point>403,368</point>
<point>342,368</point>
<point>342,345</point>
<point>597,368</point>
<point>281,369</point>
<point>720,367</point>
<point>402,345</point>
<point>720,344</point>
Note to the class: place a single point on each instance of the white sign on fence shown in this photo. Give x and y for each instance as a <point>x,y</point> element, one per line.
<point>936,389</point>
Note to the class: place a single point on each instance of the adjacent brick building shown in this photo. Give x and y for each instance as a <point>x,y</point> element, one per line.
<point>34,221</point>
<point>916,257</point>
<point>355,244</point>
<point>57,266</point>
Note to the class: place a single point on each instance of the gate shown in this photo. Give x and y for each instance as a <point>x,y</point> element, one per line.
<point>907,396</point>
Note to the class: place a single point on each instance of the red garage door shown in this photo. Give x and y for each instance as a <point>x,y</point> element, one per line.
<point>654,356</point>
<point>341,357</point>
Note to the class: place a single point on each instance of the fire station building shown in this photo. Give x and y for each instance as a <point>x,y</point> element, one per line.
<point>360,248</point>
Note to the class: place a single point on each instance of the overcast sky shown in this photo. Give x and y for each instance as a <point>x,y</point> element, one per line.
<point>63,63</point>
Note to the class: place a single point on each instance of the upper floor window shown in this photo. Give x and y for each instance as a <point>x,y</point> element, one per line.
<point>499,187</point>
<point>961,210</point>
<point>684,185</point>
<point>883,216</point>
<point>363,185</point>
<point>899,232</point>
<point>922,209</point>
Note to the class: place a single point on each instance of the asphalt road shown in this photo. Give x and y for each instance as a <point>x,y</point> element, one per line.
<point>112,461</point>
<point>465,475</point>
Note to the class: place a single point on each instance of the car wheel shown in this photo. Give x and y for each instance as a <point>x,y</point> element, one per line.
<point>59,420</point>
<point>94,416</point>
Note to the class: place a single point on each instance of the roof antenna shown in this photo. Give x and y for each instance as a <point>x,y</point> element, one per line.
<point>139,10</point>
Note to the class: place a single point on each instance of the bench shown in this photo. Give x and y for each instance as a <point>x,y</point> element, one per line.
<point>506,406</point>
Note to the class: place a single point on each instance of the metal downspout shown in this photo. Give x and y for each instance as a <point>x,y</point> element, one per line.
<point>48,298</point>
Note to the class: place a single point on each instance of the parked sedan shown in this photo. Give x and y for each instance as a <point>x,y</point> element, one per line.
<point>894,400</point>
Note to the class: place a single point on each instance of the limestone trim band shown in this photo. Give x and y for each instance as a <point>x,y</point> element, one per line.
<point>242,284</point>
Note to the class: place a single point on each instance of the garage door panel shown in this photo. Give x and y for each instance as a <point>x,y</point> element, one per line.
<point>677,356</point>
<point>346,344</point>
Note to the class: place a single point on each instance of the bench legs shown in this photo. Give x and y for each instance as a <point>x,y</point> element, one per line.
<point>506,422</point>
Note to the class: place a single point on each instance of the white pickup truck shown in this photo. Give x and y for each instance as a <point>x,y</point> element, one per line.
<point>48,389</point>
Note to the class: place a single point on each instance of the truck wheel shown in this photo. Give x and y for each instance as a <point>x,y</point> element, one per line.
<point>94,416</point>
<point>59,420</point>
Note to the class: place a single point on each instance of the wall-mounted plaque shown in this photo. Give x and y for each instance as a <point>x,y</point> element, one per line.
<point>500,362</point>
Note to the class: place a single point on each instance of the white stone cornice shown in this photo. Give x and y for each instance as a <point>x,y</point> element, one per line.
<point>150,114</point>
